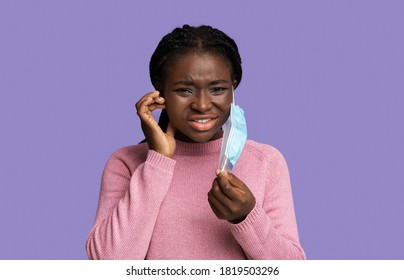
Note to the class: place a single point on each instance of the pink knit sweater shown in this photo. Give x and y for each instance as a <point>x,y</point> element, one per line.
<point>154,207</point>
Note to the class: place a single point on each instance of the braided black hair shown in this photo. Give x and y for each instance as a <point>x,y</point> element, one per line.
<point>188,39</point>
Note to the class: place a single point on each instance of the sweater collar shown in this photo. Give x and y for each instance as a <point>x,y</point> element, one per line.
<point>188,148</point>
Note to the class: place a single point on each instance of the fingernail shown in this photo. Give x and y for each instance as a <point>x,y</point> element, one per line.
<point>218,171</point>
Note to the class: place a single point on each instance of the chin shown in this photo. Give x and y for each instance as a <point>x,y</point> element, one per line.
<point>207,138</point>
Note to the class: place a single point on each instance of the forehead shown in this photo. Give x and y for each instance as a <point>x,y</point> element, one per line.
<point>198,66</point>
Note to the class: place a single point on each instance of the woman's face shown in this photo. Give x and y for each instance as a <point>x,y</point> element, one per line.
<point>198,93</point>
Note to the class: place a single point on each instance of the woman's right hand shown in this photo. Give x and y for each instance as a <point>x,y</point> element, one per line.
<point>163,143</point>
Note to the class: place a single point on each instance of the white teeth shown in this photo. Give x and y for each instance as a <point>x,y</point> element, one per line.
<point>202,121</point>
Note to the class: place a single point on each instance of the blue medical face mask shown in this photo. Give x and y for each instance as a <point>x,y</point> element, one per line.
<point>234,138</point>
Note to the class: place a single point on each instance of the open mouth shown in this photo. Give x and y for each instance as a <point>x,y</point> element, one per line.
<point>203,124</point>
<point>203,121</point>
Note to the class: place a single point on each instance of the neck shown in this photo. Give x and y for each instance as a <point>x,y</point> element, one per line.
<point>182,137</point>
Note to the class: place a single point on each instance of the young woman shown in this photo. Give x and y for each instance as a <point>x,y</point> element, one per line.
<point>165,199</point>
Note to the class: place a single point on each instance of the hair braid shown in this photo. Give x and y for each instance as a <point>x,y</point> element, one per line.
<point>187,39</point>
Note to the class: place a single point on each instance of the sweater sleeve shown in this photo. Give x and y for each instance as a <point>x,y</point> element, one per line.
<point>128,207</point>
<point>270,230</point>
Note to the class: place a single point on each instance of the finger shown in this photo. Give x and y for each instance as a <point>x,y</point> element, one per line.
<point>220,211</point>
<point>153,107</point>
<point>171,129</point>
<point>142,99</point>
<point>147,106</point>
<point>235,182</point>
<point>143,110</point>
<point>158,103</point>
<point>214,209</point>
<point>246,197</point>
<point>216,191</point>
<point>148,96</point>
<point>226,187</point>
<point>159,100</point>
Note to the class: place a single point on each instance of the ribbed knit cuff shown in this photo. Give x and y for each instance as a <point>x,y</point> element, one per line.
<point>160,161</point>
<point>250,233</point>
<point>256,220</point>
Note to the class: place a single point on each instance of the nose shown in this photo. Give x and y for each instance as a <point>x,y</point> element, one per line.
<point>202,102</point>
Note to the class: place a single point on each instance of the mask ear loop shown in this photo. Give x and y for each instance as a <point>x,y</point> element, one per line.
<point>224,165</point>
<point>226,159</point>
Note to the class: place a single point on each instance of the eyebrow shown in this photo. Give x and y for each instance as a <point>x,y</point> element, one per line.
<point>190,83</point>
<point>218,82</point>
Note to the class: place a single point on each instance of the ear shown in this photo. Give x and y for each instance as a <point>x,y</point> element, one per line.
<point>235,84</point>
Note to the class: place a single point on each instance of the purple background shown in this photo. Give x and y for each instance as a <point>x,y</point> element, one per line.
<point>323,82</point>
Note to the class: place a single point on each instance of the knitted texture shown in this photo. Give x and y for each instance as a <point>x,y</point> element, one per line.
<point>154,207</point>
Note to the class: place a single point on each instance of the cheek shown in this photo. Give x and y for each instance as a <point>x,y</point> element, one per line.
<point>174,108</point>
<point>225,104</point>
<point>169,102</point>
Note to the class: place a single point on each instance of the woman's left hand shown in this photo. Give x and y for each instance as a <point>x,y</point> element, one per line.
<point>229,198</point>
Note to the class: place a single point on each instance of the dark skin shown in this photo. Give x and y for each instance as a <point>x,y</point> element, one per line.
<point>197,90</point>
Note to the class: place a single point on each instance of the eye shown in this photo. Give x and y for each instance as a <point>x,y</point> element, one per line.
<point>218,90</point>
<point>184,91</point>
